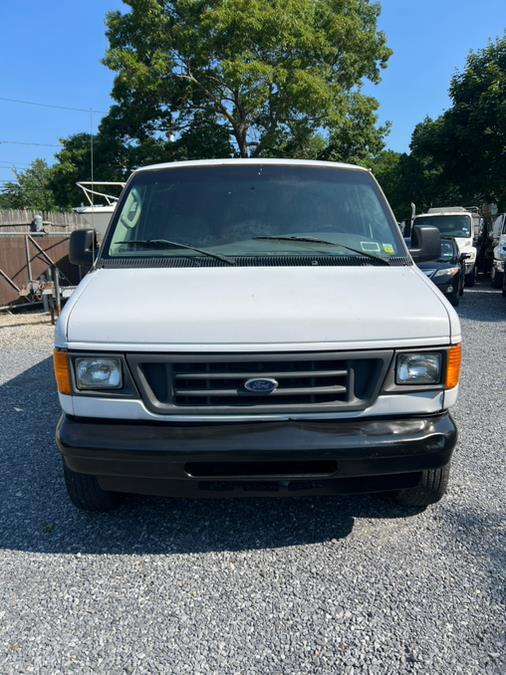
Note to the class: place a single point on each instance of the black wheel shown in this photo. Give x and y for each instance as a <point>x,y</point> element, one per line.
<point>454,299</point>
<point>431,488</point>
<point>496,278</point>
<point>85,492</point>
<point>461,284</point>
<point>470,279</point>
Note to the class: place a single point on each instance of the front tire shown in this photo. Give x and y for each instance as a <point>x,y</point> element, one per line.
<point>461,284</point>
<point>470,279</point>
<point>496,278</point>
<point>431,488</point>
<point>454,299</point>
<point>86,494</point>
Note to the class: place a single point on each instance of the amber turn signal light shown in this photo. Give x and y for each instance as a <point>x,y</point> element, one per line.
<point>62,372</point>
<point>454,360</point>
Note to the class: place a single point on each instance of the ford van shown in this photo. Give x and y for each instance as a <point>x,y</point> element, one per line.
<point>255,327</point>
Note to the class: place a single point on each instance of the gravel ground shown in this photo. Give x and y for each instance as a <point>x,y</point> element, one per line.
<point>343,585</point>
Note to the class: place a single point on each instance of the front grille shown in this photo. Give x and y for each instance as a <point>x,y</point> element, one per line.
<point>216,383</point>
<point>223,383</point>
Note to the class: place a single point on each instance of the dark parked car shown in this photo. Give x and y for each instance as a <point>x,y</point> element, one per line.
<point>448,271</point>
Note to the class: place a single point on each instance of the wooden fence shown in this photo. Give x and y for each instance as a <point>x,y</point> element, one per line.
<point>25,259</point>
<point>15,220</point>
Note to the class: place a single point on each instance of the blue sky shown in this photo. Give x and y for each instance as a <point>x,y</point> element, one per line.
<point>50,52</point>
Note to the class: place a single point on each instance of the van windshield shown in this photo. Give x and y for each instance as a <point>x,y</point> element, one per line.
<point>253,210</point>
<point>449,226</point>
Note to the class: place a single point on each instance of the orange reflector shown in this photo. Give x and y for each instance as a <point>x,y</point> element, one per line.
<point>453,366</point>
<point>62,372</point>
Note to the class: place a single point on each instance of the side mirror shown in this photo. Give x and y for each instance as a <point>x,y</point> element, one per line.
<point>425,243</point>
<point>82,247</point>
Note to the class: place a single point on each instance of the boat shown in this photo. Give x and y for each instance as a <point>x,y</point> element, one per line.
<point>98,215</point>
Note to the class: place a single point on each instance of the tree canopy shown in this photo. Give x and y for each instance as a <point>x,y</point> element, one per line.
<point>269,77</point>
<point>460,157</point>
<point>30,189</point>
<point>199,79</point>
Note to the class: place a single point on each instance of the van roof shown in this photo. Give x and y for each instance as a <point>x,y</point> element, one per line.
<point>447,209</point>
<point>431,214</point>
<point>256,161</point>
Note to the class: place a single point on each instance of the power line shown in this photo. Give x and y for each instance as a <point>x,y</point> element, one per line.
<point>46,145</point>
<point>51,105</point>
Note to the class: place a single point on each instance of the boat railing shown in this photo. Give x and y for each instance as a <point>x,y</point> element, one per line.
<point>90,191</point>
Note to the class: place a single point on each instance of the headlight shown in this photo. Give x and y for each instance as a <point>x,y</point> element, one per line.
<point>448,272</point>
<point>98,373</point>
<point>423,368</point>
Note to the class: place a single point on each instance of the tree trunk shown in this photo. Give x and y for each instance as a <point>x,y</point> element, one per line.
<point>241,138</point>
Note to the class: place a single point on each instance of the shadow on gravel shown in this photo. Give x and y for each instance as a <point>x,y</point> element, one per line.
<point>483,304</point>
<point>35,514</point>
<point>482,533</point>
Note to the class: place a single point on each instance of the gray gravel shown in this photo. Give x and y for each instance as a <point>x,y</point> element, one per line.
<point>343,585</point>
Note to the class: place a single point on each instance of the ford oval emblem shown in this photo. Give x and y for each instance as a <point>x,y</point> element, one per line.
<point>261,385</point>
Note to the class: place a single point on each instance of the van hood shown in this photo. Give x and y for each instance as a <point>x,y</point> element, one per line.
<point>245,308</point>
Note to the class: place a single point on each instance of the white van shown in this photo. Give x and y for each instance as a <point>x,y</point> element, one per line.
<point>460,224</point>
<point>255,327</point>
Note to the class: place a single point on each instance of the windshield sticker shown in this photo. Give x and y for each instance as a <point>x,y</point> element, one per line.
<point>388,248</point>
<point>370,246</point>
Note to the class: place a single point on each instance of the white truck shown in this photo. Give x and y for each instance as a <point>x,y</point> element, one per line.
<point>255,327</point>
<point>463,225</point>
<point>499,241</point>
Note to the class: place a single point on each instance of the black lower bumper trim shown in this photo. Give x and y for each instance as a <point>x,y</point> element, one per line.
<point>139,457</point>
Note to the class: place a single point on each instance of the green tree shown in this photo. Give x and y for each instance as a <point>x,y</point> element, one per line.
<point>73,163</point>
<point>357,138</point>
<point>267,76</point>
<point>461,156</point>
<point>116,153</point>
<point>475,125</point>
<point>427,166</point>
<point>389,167</point>
<point>31,189</point>
<point>415,177</point>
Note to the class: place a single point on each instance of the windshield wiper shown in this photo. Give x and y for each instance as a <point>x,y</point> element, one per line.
<point>167,243</point>
<point>382,261</point>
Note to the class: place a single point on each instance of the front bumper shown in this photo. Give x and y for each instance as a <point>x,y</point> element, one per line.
<point>448,287</point>
<point>289,457</point>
